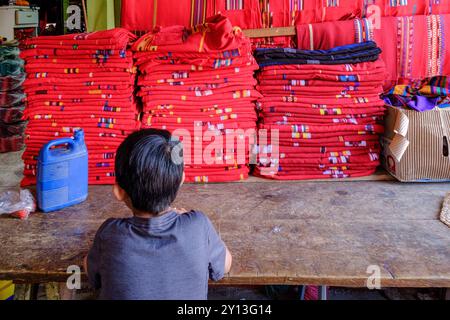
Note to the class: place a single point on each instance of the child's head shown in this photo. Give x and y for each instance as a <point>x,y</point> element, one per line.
<point>149,171</point>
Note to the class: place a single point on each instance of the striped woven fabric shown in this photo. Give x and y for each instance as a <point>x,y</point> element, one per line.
<point>202,85</point>
<point>11,99</point>
<point>323,118</point>
<point>80,81</point>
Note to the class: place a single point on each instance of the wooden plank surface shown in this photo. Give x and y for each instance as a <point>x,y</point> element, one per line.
<point>279,233</point>
<point>270,32</point>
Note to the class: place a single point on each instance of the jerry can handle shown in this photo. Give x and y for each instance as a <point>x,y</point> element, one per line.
<point>46,148</point>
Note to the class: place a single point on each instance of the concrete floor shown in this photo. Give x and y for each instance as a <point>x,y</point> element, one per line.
<point>11,167</point>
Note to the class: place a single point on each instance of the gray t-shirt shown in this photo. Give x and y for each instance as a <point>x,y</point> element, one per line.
<point>165,257</point>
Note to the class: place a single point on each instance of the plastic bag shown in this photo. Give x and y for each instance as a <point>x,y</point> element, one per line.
<point>18,204</point>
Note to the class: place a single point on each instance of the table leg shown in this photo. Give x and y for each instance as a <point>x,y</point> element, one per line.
<point>301,292</point>
<point>323,293</point>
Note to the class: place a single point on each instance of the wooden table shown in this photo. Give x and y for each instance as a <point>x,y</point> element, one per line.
<point>278,232</point>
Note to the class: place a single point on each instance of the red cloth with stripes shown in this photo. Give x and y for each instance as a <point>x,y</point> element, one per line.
<point>80,81</point>
<point>327,119</point>
<point>198,84</point>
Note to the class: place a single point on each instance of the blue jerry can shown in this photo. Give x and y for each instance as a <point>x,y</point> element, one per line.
<point>62,176</point>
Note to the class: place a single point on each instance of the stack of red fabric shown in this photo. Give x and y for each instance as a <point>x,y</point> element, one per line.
<point>322,117</point>
<point>198,83</point>
<point>80,81</point>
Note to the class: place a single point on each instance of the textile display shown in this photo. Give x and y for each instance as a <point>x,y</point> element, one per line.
<point>324,108</point>
<point>11,98</point>
<point>144,15</point>
<point>200,81</point>
<point>80,81</point>
<point>428,94</point>
<point>413,47</point>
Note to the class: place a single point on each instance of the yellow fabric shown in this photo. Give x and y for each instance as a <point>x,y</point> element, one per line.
<point>6,290</point>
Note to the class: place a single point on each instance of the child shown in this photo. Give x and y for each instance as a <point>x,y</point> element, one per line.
<point>161,252</point>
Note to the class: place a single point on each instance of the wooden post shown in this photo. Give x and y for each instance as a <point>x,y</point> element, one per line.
<point>270,32</point>
<point>85,15</point>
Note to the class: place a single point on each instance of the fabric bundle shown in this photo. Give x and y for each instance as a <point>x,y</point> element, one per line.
<point>11,98</point>
<point>198,83</point>
<point>80,81</point>
<point>428,94</point>
<point>321,112</point>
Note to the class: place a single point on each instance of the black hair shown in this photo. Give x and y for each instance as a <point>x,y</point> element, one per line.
<point>149,167</point>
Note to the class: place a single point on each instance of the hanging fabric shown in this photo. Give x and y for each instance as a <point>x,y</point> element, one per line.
<point>103,14</point>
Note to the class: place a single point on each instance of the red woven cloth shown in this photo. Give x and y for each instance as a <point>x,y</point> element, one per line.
<point>327,119</point>
<point>80,81</point>
<point>199,81</point>
<point>408,50</point>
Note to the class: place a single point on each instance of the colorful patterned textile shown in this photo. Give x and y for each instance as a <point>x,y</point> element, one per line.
<point>199,82</point>
<point>426,95</point>
<point>397,8</point>
<point>144,15</point>
<point>412,47</point>
<point>80,81</point>
<point>327,117</point>
<point>11,99</point>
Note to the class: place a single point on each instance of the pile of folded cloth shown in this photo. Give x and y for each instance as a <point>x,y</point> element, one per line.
<point>321,112</point>
<point>11,98</point>
<point>80,81</point>
<point>198,84</point>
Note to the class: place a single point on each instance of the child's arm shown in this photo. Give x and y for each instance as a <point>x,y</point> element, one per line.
<point>85,264</point>
<point>219,256</point>
<point>228,260</point>
<point>91,265</point>
<point>91,262</point>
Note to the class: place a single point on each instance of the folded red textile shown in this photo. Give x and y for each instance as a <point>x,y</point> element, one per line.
<point>325,120</point>
<point>201,85</point>
<point>325,174</point>
<point>95,95</point>
<point>283,120</point>
<point>358,68</point>
<point>51,53</point>
<point>89,76</point>
<point>85,88</point>
<point>217,35</point>
<point>118,36</point>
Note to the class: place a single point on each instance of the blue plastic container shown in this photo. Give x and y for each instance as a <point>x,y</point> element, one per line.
<point>62,176</point>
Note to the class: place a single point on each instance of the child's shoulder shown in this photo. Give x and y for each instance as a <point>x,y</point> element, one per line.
<point>196,218</point>
<point>110,223</point>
